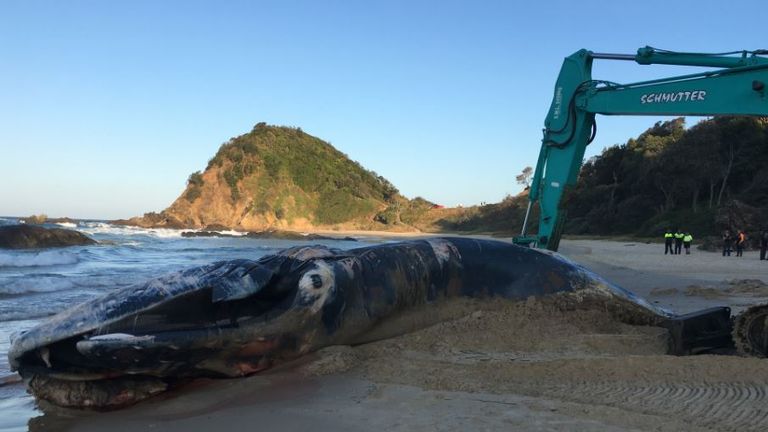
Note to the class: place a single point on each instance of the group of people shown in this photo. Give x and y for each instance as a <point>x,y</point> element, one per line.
<point>675,241</point>
<point>728,241</point>
<point>741,242</point>
<point>679,239</point>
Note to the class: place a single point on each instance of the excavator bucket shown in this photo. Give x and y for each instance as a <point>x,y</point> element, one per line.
<point>702,331</point>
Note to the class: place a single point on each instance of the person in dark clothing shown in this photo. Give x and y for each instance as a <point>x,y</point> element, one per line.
<point>763,244</point>
<point>679,241</point>
<point>727,243</point>
<point>668,238</point>
<point>741,241</point>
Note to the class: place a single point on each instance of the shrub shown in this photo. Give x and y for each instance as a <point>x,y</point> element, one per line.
<point>192,194</point>
<point>195,179</point>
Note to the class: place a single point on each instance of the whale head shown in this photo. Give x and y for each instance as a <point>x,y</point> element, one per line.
<point>227,319</point>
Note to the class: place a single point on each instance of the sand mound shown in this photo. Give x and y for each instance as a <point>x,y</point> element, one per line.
<point>581,357</point>
<point>490,333</point>
<point>497,330</point>
<point>750,287</point>
<point>707,292</point>
<point>520,330</point>
<point>736,287</point>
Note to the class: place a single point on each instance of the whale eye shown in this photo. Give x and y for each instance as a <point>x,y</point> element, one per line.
<point>317,281</point>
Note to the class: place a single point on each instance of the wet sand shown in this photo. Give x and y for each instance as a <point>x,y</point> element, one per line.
<point>665,279</point>
<point>496,365</point>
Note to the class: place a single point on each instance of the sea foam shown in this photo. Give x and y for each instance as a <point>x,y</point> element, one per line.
<point>233,233</point>
<point>106,228</point>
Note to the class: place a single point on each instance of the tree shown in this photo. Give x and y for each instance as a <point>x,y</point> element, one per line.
<point>524,178</point>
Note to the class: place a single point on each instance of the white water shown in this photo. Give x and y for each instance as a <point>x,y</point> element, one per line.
<point>37,258</point>
<point>93,228</point>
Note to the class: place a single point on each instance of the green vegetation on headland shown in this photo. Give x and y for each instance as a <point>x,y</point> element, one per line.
<point>704,179</point>
<point>292,174</point>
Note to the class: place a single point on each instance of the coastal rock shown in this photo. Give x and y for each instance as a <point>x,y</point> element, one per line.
<point>62,220</point>
<point>291,235</point>
<point>204,234</point>
<point>153,220</point>
<point>268,234</point>
<point>34,219</point>
<point>32,237</point>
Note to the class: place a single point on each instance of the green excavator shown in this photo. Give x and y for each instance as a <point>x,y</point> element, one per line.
<point>736,87</point>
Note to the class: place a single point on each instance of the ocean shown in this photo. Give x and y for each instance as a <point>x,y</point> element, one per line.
<point>35,284</point>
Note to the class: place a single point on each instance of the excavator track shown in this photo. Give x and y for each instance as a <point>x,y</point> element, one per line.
<point>750,331</point>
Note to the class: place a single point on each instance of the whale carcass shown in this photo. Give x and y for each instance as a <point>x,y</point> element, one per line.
<point>235,318</point>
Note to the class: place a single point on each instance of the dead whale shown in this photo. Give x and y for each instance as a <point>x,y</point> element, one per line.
<point>239,317</point>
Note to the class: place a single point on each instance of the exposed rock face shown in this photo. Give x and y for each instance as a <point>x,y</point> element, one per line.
<point>32,237</point>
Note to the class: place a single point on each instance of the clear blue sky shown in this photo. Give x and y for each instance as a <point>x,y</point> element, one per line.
<point>106,107</point>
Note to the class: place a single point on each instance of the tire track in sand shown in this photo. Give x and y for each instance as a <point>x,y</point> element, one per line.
<point>721,406</point>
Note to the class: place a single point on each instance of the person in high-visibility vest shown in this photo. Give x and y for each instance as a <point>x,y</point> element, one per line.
<point>668,238</point>
<point>687,243</point>
<point>679,241</point>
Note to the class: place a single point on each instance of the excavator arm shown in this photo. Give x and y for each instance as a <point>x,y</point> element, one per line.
<point>738,87</point>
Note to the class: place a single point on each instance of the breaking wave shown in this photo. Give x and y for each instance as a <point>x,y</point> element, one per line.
<point>121,230</point>
<point>17,287</point>
<point>232,233</point>
<point>8,221</point>
<point>37,259</point>
<point>25,315</point>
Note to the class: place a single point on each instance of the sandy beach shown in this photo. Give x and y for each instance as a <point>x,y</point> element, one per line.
<point>496,365</point>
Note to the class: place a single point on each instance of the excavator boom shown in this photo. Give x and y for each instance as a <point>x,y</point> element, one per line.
<point>738,87</point>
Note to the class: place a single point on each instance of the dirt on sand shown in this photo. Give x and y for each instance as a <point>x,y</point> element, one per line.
<point>735,287</point>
